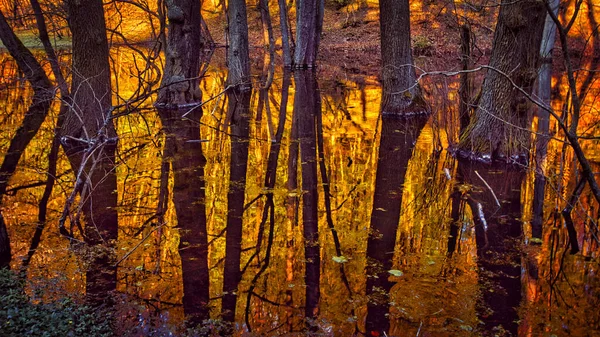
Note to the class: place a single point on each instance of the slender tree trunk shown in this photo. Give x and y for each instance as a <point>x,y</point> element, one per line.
<point>309,24</point>
<point>499,127</point>
<point>306,106</point>
<point>238,95</point>
<point>398,137</point>
<point>238,59</point>
<point>464,91</point>
<point>285,36</point>
<point>180,115</point>
<point>544,86</point>
<point>34,117</point>
<point>401,94</point>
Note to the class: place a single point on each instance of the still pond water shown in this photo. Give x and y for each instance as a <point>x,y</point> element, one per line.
<point>449,240</point>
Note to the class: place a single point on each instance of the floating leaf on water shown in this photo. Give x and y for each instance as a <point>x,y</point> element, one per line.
<point>466,327</point>
<point>536,240</point>
<point>395,272</point>
<point>339,259</point>
<point>380,209</point>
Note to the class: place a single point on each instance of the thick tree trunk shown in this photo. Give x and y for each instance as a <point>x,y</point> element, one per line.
<point>180,115</point>
<point>496,207</point>
<point>90,140</point>
<point>34,117</point>
<point>306,106</point>
<point>398,137</point>
<point>180,80</point>
<point>401,94</point>
<point>500,124</point>
<point>544,86</point>
<point>309,24</point>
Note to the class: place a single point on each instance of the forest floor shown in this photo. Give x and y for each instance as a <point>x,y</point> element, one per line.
<point>350,44</point>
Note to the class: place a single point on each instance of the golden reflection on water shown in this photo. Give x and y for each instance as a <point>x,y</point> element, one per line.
<point>435,294</point>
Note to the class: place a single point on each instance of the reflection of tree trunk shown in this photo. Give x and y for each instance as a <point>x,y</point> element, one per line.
<point>306,106</point>
<point>270,178</point>
<point>239,110</point>
<point>55,147</point>
<point>188,196</point>
<point>292,203</point>
<point>398,137</point>
<point>456,224</point>
<point>495,202</point>
<point>90,141</point>
<point>180,88</point>
<point>238,61</point>
<point>42,97</point>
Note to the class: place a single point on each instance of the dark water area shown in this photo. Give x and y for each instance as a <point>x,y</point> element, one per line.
<point>350,223</point>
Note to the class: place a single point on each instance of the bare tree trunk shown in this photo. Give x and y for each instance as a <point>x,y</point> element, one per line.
<point>180,113</point>
<point>499,127</point>
<point>398,137</point>
<point>238,95</point>
<point>464,91</point>
<point>90,142</point>
<point>285,33</point>
<point>34,117</point>
<point>401,94</point>
<point>306,106</point>
<point>544,86</point>
<point>309,24</point>
<point>238,59</point>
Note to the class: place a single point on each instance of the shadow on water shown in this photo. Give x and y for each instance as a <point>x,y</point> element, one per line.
<point>398,138</point>
<point>493,194</point>
<point>305,218</point>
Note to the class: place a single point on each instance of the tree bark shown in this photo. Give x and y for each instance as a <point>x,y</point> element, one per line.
<point>285,34</point>
<point>398,137</point>
<point>495,202</point>
<point>238,59</point>
<point>180,113</point>
<point>309,24</point>
<point>500,125</point>
<point>401,94</point>
<point>34,117</point>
